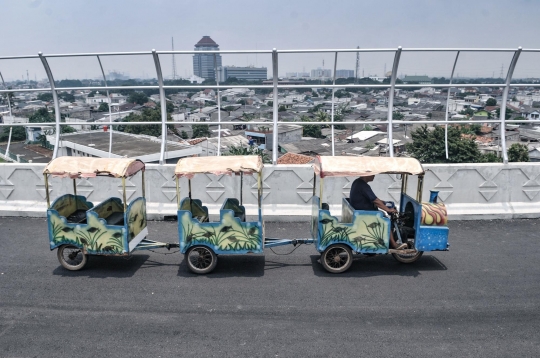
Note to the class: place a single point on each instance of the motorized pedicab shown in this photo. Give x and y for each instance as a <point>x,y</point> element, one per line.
<point>79,228</point>
<point>423,226</point>
<point>202,240</point>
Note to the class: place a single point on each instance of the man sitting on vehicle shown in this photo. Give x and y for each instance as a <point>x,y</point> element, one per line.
<point>363,198</point>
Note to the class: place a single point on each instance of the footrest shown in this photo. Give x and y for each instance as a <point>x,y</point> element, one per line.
<point>115,219</point>
<point>402,252</point>
<point>78,216</point>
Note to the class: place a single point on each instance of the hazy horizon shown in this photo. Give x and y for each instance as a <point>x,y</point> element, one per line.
<point>127,26</point>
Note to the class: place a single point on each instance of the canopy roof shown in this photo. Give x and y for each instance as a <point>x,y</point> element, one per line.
<point>337,166</point>
<point>85,167</point>
<point>218,165</point>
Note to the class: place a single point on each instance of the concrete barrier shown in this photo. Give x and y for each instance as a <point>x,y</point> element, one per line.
<point>470,191</point>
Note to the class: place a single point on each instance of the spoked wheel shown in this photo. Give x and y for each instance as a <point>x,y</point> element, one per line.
<point>408,258</point>
<point>337,258</point>
<point>201,259</point>
<point>71,257</point>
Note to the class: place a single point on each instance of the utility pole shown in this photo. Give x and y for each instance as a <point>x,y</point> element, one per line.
<point>357,66</point>
<point>173,61</point>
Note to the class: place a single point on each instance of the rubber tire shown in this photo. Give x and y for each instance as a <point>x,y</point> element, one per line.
<point>202,250</point>
<point>331,250</point>
<point>408,259</point>
<point>67,265</point>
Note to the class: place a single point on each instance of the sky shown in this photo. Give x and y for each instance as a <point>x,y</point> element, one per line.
<point>76,26</point>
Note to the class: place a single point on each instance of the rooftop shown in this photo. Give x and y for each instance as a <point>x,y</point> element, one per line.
<point>206,41</point>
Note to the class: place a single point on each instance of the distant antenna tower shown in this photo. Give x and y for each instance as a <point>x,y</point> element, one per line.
<point>501,75</point>
<point>27,77</point>
<point>384,74</point>
<point>173,61</point>
<point>357,65</point>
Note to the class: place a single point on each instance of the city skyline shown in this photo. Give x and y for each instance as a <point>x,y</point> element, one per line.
<point>74,27</point>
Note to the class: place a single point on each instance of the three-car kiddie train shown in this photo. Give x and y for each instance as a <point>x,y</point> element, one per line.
<point>79,228</point>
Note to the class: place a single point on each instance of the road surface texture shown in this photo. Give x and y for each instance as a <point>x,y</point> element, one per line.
<point>481,299</point>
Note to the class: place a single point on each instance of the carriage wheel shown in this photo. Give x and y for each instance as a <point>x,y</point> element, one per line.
<point>201,259</point>
<point>408,258</point>
<point>71,257</point>
<point>337,258</point>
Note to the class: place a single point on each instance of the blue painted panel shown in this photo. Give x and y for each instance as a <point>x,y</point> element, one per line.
<point>368,231</point>
<point>228,236</point>
<point>432,238</point>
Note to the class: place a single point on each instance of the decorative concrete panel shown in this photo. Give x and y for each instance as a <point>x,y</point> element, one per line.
<point>470,191</point>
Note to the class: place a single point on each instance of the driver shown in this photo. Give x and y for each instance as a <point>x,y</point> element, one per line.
<point>363,198</point>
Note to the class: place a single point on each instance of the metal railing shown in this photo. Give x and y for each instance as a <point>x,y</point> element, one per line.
<point>275,86</point>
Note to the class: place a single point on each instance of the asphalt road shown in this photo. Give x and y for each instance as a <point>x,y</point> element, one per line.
<point>481,299</point>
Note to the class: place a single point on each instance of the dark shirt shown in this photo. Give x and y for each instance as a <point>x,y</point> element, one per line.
<point>362,197</point>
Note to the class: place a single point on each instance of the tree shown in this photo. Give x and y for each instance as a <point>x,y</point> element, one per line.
<point>170,107</point>
<point>428,146</point>
<point>397,115</point>
<point>282,109</point>
<point>518,153</point>
<point>42,115</point>
<point>103,107</point>
<point>491,102</point>
<point>224,98</point>
<point>17,134</point>
<point>147,115</point>
<point>310,130</point>
<point>184,135</point>
<point>66,96</point>
<point>507,115</point>
<point>239,150</point>
<point>468,112</point>
<point>200,131</point>
<point>138,98</point>
<point>242,102</point>
<point>45,97</point>
<point>270,103</point>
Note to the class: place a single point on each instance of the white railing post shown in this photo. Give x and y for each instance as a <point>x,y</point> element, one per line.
<point>109,104</point>
<point>333,92</point>
<point>276,107</point>
<point>10,114</point>
<point>219,108</point>
<point>503,104</point>
<point>448,100</point>
<point>391,101</point>
<point>55,100</point>
<point>163,100</point>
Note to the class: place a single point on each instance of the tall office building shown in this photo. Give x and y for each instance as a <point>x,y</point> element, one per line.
<point>344,73</point>
<point>320,73</point>
<point>203,64</point>
<point>242,73</point>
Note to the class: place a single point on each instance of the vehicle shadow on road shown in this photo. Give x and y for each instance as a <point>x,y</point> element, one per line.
<point>382,265</point>
<point>230,266</point>
<point>106,266</point>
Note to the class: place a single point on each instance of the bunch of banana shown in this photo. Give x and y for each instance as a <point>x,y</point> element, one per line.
<point>434,214</point>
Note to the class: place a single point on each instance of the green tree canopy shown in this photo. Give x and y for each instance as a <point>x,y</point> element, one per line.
<point>45,97</point>
<point>138,98</point>
<point>200,131</point>
<point>518,153</point>
<point>239,150</point>
<point>103,107</point>
<point>428,146</point>
<point>17,134</point>
<point>42,115</point>
<point>491,102</point>
<point>310,130</point>
<point>147,115</point>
